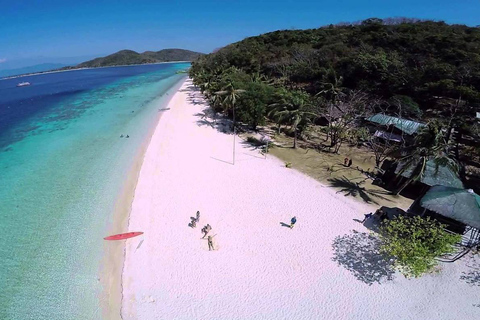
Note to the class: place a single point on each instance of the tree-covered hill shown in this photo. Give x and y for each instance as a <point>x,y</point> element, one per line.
<point>128,57</point>
<point>430,62</point>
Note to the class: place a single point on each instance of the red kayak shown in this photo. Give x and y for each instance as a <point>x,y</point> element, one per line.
<point>122,236</point>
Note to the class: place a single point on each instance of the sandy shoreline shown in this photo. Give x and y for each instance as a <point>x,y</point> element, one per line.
<point>112,266</point>
<point>327,267</point>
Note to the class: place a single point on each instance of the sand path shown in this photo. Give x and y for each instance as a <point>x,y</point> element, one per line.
<point>321,269</point>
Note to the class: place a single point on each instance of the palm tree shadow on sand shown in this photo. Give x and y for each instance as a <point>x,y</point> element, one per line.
<point>354,189</point>
<point>472,276</point>
<point>360,254</point>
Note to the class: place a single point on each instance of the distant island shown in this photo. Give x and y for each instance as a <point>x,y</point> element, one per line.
<point>125,58</point>
<point>129,57</point>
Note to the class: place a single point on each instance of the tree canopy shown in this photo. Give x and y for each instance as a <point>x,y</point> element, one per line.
<point>415,242</point>
<point>419,64</point>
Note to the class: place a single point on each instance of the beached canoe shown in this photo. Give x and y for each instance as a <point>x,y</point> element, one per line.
<point>123,236</point>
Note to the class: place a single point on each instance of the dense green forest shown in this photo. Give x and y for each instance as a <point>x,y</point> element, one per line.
<point>421,70</point>
<point>127,57</point>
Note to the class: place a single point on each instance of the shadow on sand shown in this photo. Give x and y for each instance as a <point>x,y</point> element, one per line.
<point>283,224</point>
<point>359,253</point>
<point>227,162</point>
<point>354,189</point>
<point>472,277</point>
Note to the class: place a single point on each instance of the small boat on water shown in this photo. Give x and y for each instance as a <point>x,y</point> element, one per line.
<point>23,84</point>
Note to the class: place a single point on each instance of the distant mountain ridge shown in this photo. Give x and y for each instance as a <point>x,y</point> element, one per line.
<point>128,57</point>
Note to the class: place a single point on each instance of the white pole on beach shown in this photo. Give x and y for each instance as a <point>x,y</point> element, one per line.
<point>233,134</point>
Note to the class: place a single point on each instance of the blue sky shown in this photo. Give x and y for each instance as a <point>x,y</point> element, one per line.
<point>52,29</point>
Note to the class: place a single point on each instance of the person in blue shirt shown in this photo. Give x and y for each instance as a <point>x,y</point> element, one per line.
<point>367,216</point>
<point>292,222</point>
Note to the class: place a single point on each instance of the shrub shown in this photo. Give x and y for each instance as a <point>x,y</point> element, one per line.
<point>415,242</point>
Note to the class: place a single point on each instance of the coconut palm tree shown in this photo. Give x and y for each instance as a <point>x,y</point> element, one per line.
<point>230,95</point>
<point>291,109</point>
<point>332,87</point>
<point>333,91</point>
<point>429,144</point>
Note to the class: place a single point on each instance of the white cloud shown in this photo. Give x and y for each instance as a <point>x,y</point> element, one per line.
<point>2,60</point>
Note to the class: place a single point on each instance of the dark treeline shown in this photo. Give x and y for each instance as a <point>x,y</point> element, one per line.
<point>419,70</point>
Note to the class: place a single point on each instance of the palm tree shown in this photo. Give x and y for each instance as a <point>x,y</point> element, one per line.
<point>332,90</point>
<point>429,144</point>
<point>292,110</point>
<point>230,95</point>
<point>215,102</point>
<point>332,86</point>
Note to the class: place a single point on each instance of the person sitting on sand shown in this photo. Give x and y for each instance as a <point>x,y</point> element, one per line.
<point>193,224</point>
<point>204,231</point>
<point>380,214</point>
<point>367,216</point>
<point>345,161</point>
<point>292,222</point>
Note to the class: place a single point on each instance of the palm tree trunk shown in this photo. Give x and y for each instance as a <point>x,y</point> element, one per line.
<point>416,173</point>
<point>449,133</point>
<point>403,186</point>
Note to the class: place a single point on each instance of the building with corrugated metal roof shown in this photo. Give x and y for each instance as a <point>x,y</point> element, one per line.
<point>408,127</point>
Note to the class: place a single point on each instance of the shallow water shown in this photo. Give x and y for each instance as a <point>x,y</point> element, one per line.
<point>62,164</point>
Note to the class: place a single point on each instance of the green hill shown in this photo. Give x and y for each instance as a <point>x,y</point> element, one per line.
<point>423,60</point>
<point>128,57</point>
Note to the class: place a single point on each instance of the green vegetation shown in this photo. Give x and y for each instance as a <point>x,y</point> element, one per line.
<point>339,74</point>
<point>128,57</point>
<point>429,144</point>
<point>415,242</point>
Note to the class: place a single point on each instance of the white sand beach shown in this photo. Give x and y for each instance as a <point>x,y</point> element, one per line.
<point>326,267</point>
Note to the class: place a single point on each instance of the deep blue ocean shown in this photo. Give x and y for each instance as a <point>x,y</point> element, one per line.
<point>63,164</point>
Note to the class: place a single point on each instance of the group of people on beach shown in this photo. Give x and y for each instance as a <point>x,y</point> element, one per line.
<point>205,230</point>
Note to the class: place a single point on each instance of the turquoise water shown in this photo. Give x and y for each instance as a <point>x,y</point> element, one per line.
<point>62,166</point>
